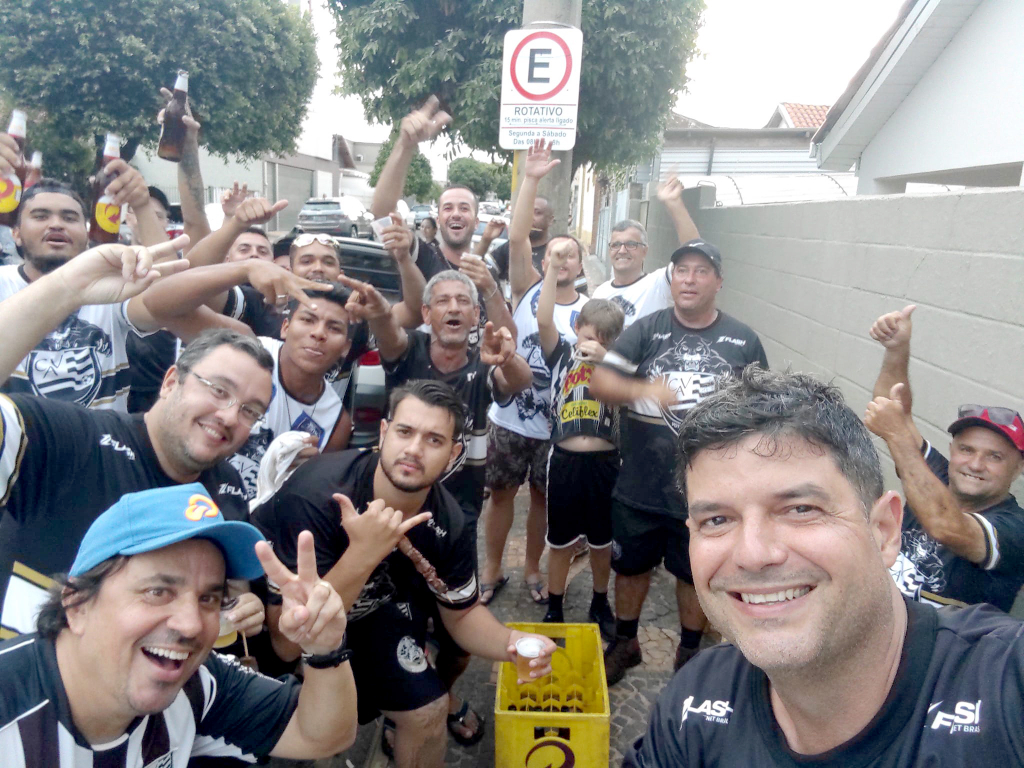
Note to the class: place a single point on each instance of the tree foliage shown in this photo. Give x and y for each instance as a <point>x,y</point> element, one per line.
<point>82,68</point>
<point>473,174</point>
<point>420,179</point>
<point>394,53</point>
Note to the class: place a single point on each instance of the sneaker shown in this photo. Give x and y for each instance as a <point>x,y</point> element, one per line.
<point>623,653</point>
<point>683,655</point>
<point>601,614</point>
<point>554,617</point>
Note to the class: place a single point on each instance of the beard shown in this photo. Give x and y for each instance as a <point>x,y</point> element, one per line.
<point>457,242</point>
<point>45,263</point>
<point>406,486</point>
<point>537,236</point>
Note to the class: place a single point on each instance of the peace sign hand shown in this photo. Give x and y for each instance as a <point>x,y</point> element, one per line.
<point>313,615</point>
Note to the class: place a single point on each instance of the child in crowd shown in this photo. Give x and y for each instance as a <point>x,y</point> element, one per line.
<point>584,461</point>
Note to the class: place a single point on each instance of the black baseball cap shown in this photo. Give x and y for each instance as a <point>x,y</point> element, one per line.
<point>704,248</point>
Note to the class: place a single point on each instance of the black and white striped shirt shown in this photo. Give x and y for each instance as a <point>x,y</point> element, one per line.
<point>224,710</point>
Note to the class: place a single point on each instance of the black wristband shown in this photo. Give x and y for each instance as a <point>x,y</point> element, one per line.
<point>335,658</point>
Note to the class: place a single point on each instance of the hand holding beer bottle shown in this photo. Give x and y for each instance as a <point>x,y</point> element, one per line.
<point>12,167</point>
<point>174,129</point>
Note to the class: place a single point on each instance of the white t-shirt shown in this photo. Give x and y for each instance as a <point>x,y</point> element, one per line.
<point>641,297</point>
<point>83,361</point>
<point>285,414</point>
<point>528,413</point>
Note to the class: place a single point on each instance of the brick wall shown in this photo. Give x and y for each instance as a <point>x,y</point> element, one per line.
<point>810,278</point>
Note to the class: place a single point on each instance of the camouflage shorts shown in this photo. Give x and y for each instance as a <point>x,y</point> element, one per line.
<point>510,456</point>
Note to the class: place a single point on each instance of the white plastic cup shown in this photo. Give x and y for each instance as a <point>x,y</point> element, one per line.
<point>527,649</point>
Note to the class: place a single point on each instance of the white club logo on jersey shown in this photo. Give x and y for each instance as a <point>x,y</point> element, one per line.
<point>965,717</point>
<point>411,656</point>
<point>66,364</point>
<point>713,711</point>
<point>691,369</point>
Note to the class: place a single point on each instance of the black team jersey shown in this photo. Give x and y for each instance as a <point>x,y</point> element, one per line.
<point>929,572</point>
<point>956,701</point>
<point>574,411</point>
<point>475,385</point>
<point>61,465</point>
<point>690,361</point>
<point>224,710</point>
<point>305,503</point>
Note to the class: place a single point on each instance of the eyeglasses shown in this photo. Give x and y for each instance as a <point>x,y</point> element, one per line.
<point>224,399</point>
<point>306,238</point>
<point>1003,416</point>
<point>629,245</point>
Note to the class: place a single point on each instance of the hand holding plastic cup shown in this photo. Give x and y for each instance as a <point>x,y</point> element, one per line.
<point>527,649</point>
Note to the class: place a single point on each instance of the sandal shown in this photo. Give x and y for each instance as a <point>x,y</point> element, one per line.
<point>537,588</point>
<point>386,746</point>
<point>493,588</point>
<point>459,719</point>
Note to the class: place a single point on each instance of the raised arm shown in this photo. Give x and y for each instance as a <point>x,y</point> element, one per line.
<point>419,125</point>
<point>498,348</point>
<point>129,187</point>
<point>367,303</point>
<point>493,229</point>
<point>670,193</point>
<point>932,501</point>
<point>521,272</point>
<point>191,190</point>
<point>107,274</point>
<point>893,331</point>
<point>487,287</point>
<point>546,302</point>
<point>398,239</point>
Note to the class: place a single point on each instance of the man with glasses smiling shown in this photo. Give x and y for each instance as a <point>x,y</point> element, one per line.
<point>638,294</point>
<point>963,533</point>
<point>61,465</point>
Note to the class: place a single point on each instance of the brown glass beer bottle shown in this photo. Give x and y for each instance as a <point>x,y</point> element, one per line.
<point>11,184</point>
<point>35,170</point>
<point>172,134</point>
<point>105,224</point>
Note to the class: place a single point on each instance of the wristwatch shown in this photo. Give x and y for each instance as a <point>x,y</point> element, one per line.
<point>335,658</point>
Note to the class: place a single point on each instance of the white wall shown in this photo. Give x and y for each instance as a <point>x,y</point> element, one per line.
<point>810,278</point>
<point>967,110</point>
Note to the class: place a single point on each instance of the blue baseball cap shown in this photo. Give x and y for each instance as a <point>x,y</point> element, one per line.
<point>147,520</point>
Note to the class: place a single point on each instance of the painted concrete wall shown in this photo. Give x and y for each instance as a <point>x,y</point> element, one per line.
<point>967,110</point>
<point>811,278</point>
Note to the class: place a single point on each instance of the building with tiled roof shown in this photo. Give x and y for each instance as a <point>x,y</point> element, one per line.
<point>791,115</point>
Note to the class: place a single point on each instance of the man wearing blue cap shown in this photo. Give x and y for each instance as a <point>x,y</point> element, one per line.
<point>120,672</point>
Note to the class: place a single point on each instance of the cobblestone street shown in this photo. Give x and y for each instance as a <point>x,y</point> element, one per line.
<point>631,699</point>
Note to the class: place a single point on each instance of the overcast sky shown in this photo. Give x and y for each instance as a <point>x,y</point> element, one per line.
<point>756,53</point>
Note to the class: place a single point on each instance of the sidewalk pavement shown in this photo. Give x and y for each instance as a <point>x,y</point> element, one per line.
<point>631,699</point>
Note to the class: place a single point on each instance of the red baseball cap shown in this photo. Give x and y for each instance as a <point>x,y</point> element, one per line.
<point>1005,421</point>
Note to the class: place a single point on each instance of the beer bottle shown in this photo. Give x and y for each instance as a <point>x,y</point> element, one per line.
<point>106,214</point>
<point>11,184</point>
<point>172,134</point>
<point>35,170</point>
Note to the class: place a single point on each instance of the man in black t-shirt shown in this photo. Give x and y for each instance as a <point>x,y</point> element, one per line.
<point>398,552</point>
<point>963,533</point>
<point>827,664</point>
<point>659,368</point>
<point>121,673</point>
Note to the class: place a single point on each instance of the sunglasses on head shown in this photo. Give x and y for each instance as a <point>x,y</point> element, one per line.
<point>305,239</point>
<point>1003,416</point>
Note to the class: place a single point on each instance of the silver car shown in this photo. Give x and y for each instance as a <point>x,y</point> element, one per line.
<point>339,216</point>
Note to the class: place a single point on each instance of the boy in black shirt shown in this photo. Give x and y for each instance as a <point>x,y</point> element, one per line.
<point>583,463</point>
<point>791,538</point>
<point>393,591</point>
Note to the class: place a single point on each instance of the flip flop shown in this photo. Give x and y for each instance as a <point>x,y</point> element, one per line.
<point>493,587</point>
<point>536,591</point>
<point>459,718</point>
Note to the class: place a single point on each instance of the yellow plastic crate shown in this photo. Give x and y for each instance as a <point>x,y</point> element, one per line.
<point>561,720</point>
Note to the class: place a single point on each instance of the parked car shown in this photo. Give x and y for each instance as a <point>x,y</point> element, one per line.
<point>338,216</point>
<point>421,212</point>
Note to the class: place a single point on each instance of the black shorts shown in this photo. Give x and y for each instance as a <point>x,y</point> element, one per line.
<point>580,496</point>
<point>643,539</point>
<point>389,662</point>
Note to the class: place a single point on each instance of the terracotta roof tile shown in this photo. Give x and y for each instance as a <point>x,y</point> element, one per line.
<point>806,115</point>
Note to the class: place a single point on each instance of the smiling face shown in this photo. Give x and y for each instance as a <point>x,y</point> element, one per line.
<point>456,217</point>
<point>786,562</point>
<point>694,285</point>
<point>195,433</point>
<point>982,466</point>
<point>451,313</point>
<point>315,340</point>
<point>51,230</point>
<point>316,261</point>
<point>417,445</point>
<point>147,630</point>
<point>627,253</point>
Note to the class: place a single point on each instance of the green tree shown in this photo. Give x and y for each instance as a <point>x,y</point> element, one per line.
<point>501,180</point>
<point>84,67</point>
<point>476,175</point>
<point>394,53</point>
<point>420,179</point>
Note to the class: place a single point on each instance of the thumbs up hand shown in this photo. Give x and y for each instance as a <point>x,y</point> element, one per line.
<point>892,330</point>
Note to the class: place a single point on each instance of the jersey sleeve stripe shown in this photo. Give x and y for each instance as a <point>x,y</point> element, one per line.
<point>12,445</point>
<point>991,543</point>
<point>459,596</point>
